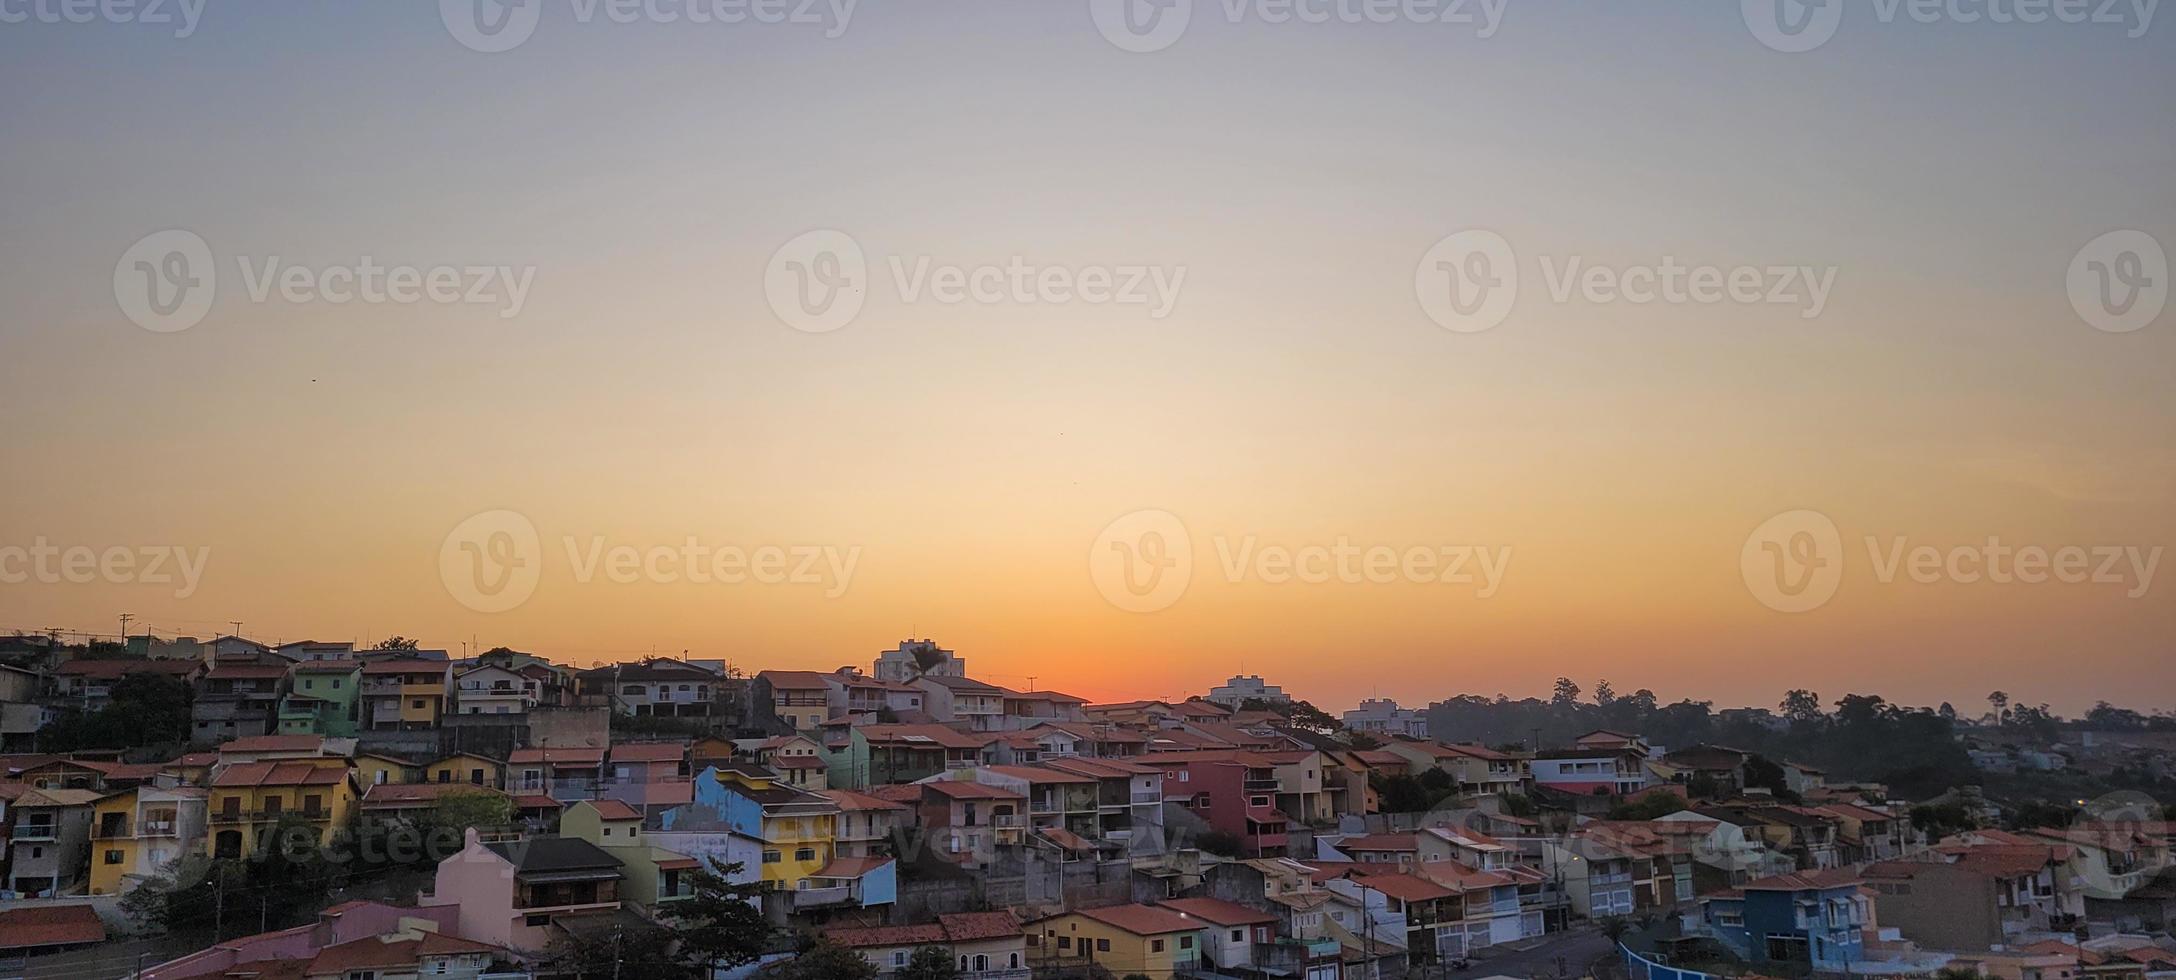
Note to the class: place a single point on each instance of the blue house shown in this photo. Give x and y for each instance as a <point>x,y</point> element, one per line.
<point>1815,918</point>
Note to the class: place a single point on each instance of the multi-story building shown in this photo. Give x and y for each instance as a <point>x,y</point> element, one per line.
<point>865,823</point>
<point>655,877</point>
<point>251,799</point>
<point>664,689</point>
<point>799,758</point>
<point>1056,798</point>
<point>511,892</point>
<point>1812,919</point>
<point>872,755</point>
<point>1233,791</point>
<point>961,700</point>
<point>1242,688</point>
<point>136,833</point>
<point>494,690</point>
<point>918,658</point>
<point>1382,716</point>
<point>797,829</point>
<point>565,774</point>
<point>324,697</point>
<point>46,846</point>
<point>235,700</point>
<point>88,684</point>
<point>801,698</point>
<point>1129,801</point>
<point>404,693</point>
<point>849,691</point>
<point>1615,771</point>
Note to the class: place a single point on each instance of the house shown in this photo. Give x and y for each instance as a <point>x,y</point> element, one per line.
<point>408,803</point>
<point>322,698</point>
<point>565,774</point>
<point>467,767</point>
<point>2113,858</point>
<point>949,699</point>
<point>849,691</point>
<point>494,690</point>
<point>967,822</point>
<point>873,755</point>
<point>1597,770</point>
<point>1124,939</point>
<point>1809,836</point>
<point>304,651</point>
<point>235,700</point>
<point>49,842</point>
<point>800,698</point>
<point>248,799</point>
<point>37,929</point>
<point>1233,791</point>
<point>799,758</point>
<point>656,877</point>
<point>281,748</point>
<point>1056,798</point>
<point>1129,801</point>
<point>138,832</point>
<point>1719,769</point>
<point>987,945</point>
<point>796,828</point>
<point>511,892</point>
<point>1382,716</point>
<point>1234,937</point>
<point>1814,919</point>
<point>1028,709</point>
<point>1474,768</point>
<point>918,658</point>
<point>865,823</point>
<point>378,768</point>
<point>404,693</point>
<point>410,954</point>
<point>663,689</point>
<point>646,762</point>
<point>88,684</point>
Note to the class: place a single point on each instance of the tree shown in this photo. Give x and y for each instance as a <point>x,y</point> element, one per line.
<point>826,960</point>
<point>2000,701</point>
<point>722,924</point>
<point>1566,694</point>
<point>397,642</point>
<point>636,950</point>
<point>1614,927</point>
<point>142,710</point>
<point>1649,807</point>
<point>1800,706</point>
<point>1604,694</point>
<point>930,963</point>
<point>1363,741</point>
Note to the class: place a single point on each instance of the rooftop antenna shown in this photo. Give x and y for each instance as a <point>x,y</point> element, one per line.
<point>237,624</point>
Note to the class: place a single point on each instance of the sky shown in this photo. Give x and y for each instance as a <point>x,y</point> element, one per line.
<point>1333,351</point>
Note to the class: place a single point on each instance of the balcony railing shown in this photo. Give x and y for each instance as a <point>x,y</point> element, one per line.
<point>1260,785</point>
<point>808,898</point>
<point>1142,798</point>
<point>33,832</point>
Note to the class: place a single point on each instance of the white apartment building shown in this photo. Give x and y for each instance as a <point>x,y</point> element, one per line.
<point>1382,716</point>
<point>1246,687</point>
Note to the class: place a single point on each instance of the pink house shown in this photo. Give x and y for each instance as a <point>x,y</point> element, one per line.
<point>510,893</point>
<point>344,923</point>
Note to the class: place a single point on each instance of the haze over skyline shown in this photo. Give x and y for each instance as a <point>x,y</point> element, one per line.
<point>624,200</point>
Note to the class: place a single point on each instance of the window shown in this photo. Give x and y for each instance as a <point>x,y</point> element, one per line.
<point>1065,942</point>
<point>37,852</point>
<point>1155,945</point>
<point>416,703</point>
<point>805,854</point>
<point>1239,935</point>
<point>771,857</point>
<point>113,857</point>
<point>1103,945</point>
<point>1185,776</point>
<point>1186,942</point>
<point>1013,961</point>
<point>476,777</point>
<point>899,957</point>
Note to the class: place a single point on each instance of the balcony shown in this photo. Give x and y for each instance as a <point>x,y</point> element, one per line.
<point>33,832</point>
<point>809,898</point>
<point>111,831</point>
<point>1043,806</point>
<point>1148,799</point>
<point>1252,785</point>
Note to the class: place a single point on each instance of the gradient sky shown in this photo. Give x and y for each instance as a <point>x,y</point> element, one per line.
<point>1948,172</point>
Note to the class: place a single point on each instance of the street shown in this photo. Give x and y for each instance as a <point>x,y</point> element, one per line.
<point>1576,949</point>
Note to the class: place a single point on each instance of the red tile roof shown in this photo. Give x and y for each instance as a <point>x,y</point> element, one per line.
<point>615,810</point>
<point>395,796</point>
<point>960,789</point>
<point>50,925</point>
<point>280,774</point>
<point>115,669</point>
<point>1379,842</point>
<point>1142,920</point>
<point>1216,911</point>
<point>849,800</point>
<point>650,752</point>
<point>1820,880</point>
<point>569,756</point>
<point>274,743</point>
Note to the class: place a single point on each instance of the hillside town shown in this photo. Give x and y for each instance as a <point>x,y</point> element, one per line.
<point>906,819</point>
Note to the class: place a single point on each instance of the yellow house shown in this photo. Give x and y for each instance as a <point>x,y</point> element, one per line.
<point>373,769</point>
<point>798,829</point>
<point>407,694</point>
<point>251,798</point>
<point>467,767</point>
<point>138,832</point>
<point>654,876</point>
<point>1123,939</point>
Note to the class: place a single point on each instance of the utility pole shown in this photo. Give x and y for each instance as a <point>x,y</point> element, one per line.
<point>125,617</point>
<point>237,624</point>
